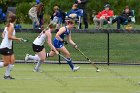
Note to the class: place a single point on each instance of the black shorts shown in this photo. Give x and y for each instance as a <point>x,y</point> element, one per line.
<point>37,48</point>
<point>6,51</point>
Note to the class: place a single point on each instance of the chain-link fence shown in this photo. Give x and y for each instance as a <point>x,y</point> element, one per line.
<point>100,46</point>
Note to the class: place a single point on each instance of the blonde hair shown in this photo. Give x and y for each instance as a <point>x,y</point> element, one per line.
<point>55,8</point>
<point>52,25</point>
<point>11,18</point>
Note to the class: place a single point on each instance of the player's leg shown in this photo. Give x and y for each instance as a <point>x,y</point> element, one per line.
<point>50,54</point>
<point>7,62</point>
<point>2,64</point>
<point>5,57</point>
<point>31,57</point>
<point>67,54</point>
<point>42,56</point>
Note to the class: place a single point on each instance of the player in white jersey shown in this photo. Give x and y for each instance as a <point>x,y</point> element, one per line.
<point>38,47</point>
<point>6,47</point>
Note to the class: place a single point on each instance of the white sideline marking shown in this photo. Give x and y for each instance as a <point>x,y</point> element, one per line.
<point>92,92</point>
<point>75,77</point>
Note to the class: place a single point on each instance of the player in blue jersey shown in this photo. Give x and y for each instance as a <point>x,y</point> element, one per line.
<point>59,43</point>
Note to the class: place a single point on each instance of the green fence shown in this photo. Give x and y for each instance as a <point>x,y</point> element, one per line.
<point>99,46</point>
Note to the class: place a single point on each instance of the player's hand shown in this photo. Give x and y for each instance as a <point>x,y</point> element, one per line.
<point>57,52</point>
<point>64,42</point>
<point>19,39</point>
<point>79,1</point>
<point>54,14</point>
<point>75,46</point>
<point>37,23</point>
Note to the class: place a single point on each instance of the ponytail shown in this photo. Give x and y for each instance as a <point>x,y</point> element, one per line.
<point>11,18</point>
<point>50,26</point>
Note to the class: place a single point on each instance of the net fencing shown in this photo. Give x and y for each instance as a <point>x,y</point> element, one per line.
<point>100,46</point>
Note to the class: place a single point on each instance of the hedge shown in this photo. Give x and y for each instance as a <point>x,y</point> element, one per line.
<point>93,6</point>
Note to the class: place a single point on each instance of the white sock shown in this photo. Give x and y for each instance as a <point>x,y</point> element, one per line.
<point>1,64</point>
<point>38,65</point>
<point>8,69</point>
<point>36,57</point>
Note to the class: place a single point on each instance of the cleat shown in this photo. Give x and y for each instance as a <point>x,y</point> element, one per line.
<point>8,77</point>
<point>37,70</point>
<point>26,58</point>
<point>76,68</point>
<point>98,70</point>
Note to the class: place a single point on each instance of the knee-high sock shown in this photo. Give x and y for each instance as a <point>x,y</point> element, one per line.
<point>36,57</point>
<point>8,69</point>
<point>38,64</point>
<point>47,55</point>
<point>1,64</point>
<point>70,63</point>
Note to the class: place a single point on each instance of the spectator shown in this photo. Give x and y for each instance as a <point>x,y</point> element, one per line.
<point>75,12</point>
<point>2,16</point>
<point>57,16</point>
<point>37,1</point>
<point>40,14</point>
<point>33,16</point>
<point>82,5</point>
<point>103,16</point>
<point>124,18</point>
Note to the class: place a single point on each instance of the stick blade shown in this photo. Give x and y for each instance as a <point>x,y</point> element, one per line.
<point>25,40</point>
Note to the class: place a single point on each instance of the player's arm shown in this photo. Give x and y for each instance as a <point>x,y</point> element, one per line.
<point>71,41</point>
<point>2,35</point>
<point>10,34</point>
<point>61,30</point>
<point>49,41</point>
<point>83,1</point>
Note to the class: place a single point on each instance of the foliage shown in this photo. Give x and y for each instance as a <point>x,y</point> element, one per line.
<point>96,5</point>
<point>22,12</point>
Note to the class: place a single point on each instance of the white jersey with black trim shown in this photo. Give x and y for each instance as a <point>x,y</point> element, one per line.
<point>6,42</point>
<point>40,40</point>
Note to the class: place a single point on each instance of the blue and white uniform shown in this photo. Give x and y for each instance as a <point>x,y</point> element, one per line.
<point>57,42</point>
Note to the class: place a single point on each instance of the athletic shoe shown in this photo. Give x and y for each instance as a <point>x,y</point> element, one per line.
<point>76,68</point>
<point>8,77</point>
<point>37,70</point>
<point>26,58</point>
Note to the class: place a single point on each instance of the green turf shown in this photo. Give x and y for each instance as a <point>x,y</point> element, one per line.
<point>60,79</point>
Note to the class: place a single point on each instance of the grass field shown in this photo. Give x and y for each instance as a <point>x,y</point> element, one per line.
<point>59,79</point>
<point>124,47</point>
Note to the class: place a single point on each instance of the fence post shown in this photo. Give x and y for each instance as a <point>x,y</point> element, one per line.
<point>108,51</point>
<point>59,58</point>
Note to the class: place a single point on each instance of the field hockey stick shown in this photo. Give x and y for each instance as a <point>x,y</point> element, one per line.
<point>97,69</point>
<point>63,57</point>
<point>24,40</point>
